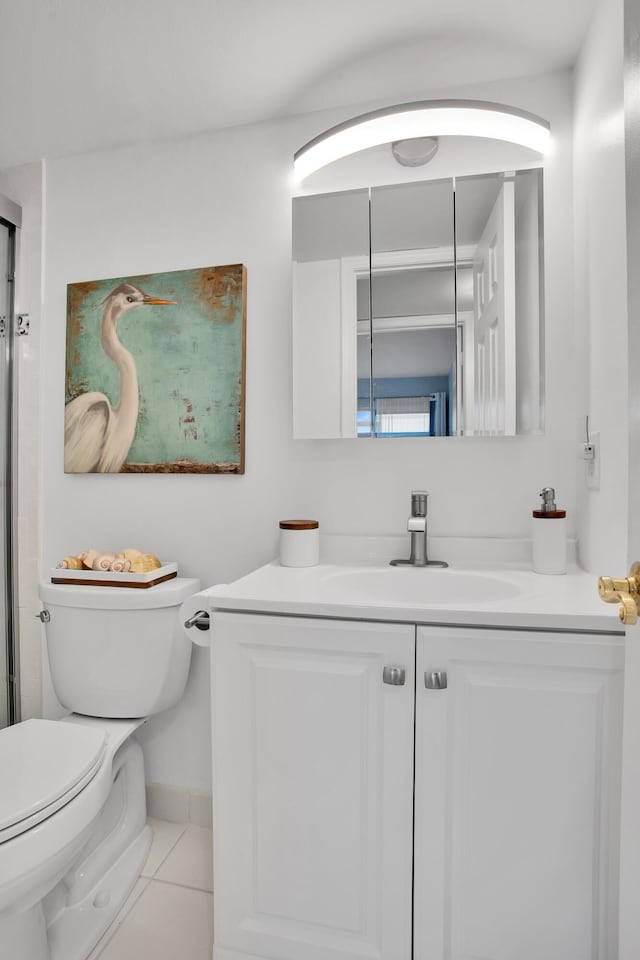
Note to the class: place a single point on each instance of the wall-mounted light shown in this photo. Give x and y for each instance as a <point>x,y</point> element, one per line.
<point>425,118</point>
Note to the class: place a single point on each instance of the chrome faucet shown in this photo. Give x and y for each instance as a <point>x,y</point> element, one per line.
<point>417,527</point>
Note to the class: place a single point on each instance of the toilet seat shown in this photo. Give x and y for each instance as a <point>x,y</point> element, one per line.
<point>50,763</point>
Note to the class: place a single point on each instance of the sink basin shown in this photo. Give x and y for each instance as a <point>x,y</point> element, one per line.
<point>414,586</point>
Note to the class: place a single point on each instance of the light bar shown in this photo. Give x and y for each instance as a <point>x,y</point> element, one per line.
<point>425,118</point>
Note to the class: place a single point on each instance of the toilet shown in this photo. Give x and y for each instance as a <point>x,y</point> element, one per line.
<point>73,831</point>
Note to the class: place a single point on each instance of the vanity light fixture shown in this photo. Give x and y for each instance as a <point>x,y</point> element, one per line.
<point>414,152</point>
<point>424,118</point>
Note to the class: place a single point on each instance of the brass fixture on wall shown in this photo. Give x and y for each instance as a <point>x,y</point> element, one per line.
<point>626,592</point>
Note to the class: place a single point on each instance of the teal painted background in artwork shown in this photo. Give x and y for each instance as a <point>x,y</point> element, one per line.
<point>189,360</point>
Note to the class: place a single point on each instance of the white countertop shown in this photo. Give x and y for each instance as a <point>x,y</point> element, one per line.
<point>528,601</point>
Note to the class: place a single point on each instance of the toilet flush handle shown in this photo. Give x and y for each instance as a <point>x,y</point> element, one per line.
<point>44,616</point>
<point>200,619</point>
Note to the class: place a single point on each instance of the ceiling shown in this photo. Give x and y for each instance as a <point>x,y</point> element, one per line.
<point>79,75</point>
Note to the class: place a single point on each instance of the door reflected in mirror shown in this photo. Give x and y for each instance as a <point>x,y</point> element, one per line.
<point>500,360</point>
<point>418,309</point>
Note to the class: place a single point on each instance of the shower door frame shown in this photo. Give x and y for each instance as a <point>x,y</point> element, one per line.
<point>10,217</point>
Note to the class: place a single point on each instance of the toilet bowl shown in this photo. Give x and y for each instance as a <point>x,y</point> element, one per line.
<point>73,832</point>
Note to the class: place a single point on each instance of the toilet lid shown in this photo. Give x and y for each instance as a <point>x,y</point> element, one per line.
<point>44,764</point>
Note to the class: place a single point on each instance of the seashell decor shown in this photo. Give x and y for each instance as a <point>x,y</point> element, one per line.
<point>128,561</point>
<point>70,563</point>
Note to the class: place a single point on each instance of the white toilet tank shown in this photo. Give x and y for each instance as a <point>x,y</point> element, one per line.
<point>117,651</point>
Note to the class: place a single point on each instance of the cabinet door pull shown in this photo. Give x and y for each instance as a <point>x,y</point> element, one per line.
<point>394,675</point>
<point>435,679</point>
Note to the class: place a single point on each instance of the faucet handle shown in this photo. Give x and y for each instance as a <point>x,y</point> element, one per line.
<point>419,503</point>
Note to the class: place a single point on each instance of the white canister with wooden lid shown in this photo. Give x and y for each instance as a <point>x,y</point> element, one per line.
<point>299,543</point>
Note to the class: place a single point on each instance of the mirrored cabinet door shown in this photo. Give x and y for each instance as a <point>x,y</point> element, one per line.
<point>413,310</point>
<point>500,303</point>
<point>330,254</point>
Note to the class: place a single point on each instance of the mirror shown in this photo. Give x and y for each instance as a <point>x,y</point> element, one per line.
<point>413,310</point>
<point>418,309</point>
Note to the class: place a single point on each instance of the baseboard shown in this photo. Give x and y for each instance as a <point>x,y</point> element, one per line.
<point>179,804</point>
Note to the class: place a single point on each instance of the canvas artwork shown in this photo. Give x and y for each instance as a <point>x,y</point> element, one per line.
<point>155,373</point>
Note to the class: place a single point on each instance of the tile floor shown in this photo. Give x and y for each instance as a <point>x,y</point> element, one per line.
<point>168,915</point>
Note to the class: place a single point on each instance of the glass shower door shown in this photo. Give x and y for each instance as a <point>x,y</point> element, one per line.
<point>7,665</point>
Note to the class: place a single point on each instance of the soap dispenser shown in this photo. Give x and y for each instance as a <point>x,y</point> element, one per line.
<point>549,535</point>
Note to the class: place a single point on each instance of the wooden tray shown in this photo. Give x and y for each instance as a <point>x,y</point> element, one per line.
<point>106,578</point>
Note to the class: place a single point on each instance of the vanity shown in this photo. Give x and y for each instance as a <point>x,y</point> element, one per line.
<point>415,763</point>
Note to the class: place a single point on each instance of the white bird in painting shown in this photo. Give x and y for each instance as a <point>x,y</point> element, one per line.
<point>97,436</point>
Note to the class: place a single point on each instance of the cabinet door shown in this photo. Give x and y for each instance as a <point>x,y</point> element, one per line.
<point>313,788</point>
<point>517,772</point>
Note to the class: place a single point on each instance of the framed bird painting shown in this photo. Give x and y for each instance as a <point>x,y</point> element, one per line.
<point>155,373</point>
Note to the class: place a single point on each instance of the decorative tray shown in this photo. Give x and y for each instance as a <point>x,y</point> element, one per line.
<point>106,578</point>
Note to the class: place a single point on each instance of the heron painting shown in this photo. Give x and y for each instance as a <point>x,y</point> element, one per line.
<point>155,373</point>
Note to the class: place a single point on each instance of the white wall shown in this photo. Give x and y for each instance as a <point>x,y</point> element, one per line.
<point>410,353</point>
<point>225,198</point>
<point>198,202</point>
<point>601,291</point>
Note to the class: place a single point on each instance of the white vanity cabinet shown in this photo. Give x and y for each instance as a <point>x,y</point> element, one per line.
<point>313,788</point>
<point>321,852</point>
<point>516,795</point>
